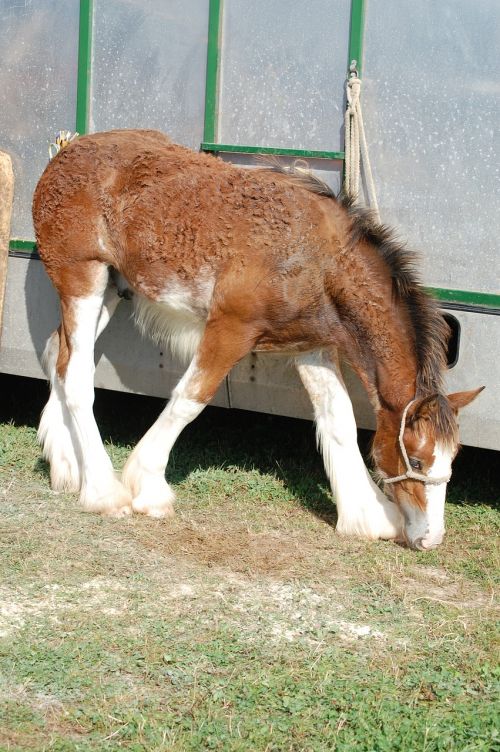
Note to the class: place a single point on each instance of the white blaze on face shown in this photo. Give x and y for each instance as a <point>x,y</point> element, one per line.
<point>435,496</point>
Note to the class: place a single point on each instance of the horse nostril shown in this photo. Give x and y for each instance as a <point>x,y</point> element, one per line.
<point>418,544</point>
<point>431,544</point>
<point>421,544</point>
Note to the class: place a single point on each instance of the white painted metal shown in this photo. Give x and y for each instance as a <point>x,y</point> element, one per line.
<point>6,197</point>
<point>431,101</point>
<point>283,69</point>
<point>125,361</point>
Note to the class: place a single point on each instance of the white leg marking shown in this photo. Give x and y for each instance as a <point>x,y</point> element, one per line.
<point>101,491</point>
<point>363,510</point>
<point>56,432</point>
<point>144,472</point>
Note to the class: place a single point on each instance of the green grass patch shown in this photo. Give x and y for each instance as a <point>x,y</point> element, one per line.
<point>245,623</point>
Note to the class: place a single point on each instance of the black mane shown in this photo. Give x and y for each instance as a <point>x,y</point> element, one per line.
<point>431,331</point>
<point>430,328</point>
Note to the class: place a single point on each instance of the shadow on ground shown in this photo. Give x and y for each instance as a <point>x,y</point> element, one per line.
<point>283,447</point>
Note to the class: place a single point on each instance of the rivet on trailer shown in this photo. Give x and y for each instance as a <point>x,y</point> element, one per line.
<point>273,84</point>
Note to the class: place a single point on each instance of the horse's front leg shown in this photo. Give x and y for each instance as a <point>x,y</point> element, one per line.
<point>363,510</point>
<point>222,345</point>
<point>144,471</point>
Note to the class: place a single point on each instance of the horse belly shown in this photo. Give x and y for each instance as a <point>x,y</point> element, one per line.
<point>176,315</point>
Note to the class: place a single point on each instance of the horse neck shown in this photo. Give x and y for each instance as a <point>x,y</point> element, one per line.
<point>389,381</point>
<point>396,333</point>
<point>384,355</point>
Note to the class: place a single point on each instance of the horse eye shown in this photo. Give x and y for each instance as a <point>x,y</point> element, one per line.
<point>415,464</point>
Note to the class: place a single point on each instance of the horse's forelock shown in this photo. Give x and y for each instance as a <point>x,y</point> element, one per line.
<point>445,423</point>
<point>439,420</point>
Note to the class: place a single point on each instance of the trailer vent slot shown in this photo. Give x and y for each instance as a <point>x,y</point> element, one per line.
<point>454,341</point>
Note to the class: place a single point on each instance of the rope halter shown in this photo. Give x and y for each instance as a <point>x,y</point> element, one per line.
<point>412,474</point>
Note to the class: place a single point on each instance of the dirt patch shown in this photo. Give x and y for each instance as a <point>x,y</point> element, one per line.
<point>314,558</point>
<point>456,594</point>
<point>237,549</point>
<point>434,584</point>
<point>19,606</point>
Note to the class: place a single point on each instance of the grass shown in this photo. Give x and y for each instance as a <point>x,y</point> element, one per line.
<point>245,623</point>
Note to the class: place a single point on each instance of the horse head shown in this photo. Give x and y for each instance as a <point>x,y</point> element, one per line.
<point>413,450</point>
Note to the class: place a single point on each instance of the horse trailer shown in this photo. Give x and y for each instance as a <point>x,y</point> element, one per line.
<point>240,79</point>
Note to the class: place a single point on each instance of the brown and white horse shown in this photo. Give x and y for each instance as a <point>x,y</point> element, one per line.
<point>223,261</point>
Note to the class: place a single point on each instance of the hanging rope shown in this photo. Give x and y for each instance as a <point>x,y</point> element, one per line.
<point>356,148</point>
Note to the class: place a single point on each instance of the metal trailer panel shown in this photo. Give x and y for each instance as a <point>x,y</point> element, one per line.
<point>6,198</point>
<point>260,382</point>
<point>158,76</point>
<point>274,84</point>
<point>432,181</point>
<point>38,78</point>
<point>431,103</point>
<point>125,360</point>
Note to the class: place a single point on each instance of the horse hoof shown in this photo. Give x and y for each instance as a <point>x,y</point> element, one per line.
<point>151,493</point>
<point>115,501</point>
<point>64,478</point>
<point>119,513</point>
<point>153,508</point>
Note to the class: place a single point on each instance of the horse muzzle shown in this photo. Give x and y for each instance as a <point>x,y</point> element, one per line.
<point>422,531</point>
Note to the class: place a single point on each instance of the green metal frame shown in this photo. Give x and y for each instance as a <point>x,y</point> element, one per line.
<point>210,133</point>
<point>84,63</point>
<point>214,46</point>
<point>305,153</point>
<point>356,33</point>
<point>466,297</point>
<point>28,247</point>
<point>23,245</point>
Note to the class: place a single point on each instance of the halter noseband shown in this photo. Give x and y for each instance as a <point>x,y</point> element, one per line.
<point>410,472</point>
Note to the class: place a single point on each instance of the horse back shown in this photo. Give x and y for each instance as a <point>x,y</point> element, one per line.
<point>140,203</point>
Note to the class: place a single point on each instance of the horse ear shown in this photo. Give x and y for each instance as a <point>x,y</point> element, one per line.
<point>460,399</point>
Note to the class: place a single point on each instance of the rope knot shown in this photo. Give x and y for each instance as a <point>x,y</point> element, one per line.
<point>353,91</point>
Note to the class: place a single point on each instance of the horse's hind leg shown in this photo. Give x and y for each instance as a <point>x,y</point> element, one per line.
<point>100,490</point>
<point>56,432</point>
<point>362,508</point>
